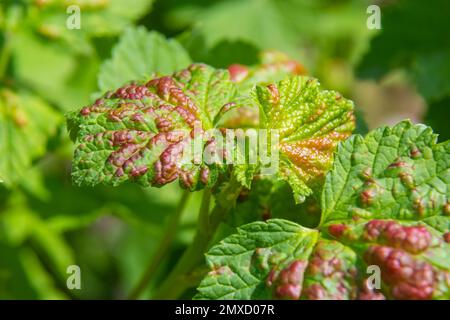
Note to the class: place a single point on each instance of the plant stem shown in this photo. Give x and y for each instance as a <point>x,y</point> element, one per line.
<point>174,285</point>
<point>166,241</point>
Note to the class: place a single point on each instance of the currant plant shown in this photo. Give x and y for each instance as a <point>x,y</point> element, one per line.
<point>383,197</point>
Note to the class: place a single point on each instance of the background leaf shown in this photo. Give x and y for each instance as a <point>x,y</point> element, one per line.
<point>26,124</point>
<point>423,53</point>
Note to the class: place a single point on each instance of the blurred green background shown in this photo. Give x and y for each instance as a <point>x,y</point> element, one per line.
<point>401,71</point>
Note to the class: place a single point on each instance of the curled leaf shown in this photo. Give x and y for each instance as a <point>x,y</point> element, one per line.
<point>310,122</point>
<point>398,173</point>
<point>141,131</point>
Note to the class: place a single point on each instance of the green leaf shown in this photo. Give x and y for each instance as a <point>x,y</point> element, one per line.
<point>396,173</point>
<point>273,66</point>
<point>140,54</point>
<point>394,216</point>
<point>313,30</point>
<point>241,263</point>
<point>144,131</point>
<point>310,123</point>
<point>62,81</point>
<point>331,273</point>
<point>279,259</point>
<point>26,124</point>
<point>412,256</point>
